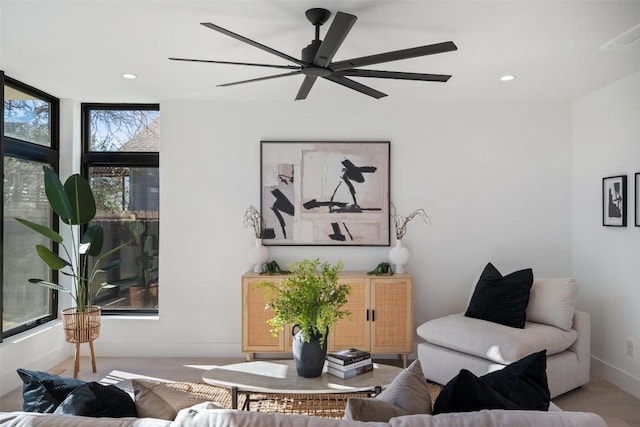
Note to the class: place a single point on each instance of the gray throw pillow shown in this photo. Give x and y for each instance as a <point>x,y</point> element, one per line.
<point>160,399</point>
<point>407,394</point>
<point>363,409</point>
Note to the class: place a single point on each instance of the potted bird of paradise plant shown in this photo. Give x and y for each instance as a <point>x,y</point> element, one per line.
<point>75,205</point>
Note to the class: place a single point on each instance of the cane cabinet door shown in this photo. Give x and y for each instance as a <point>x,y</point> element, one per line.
<point>392,314</point>
<point>256,335</point>
<point>354,331</point>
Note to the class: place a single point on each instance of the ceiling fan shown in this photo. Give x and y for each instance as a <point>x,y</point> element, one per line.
<point>316,58</point>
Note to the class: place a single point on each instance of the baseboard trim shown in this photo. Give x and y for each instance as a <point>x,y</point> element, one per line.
<point>10,380</point>
<point>616,376</point>
<point>106,348</point>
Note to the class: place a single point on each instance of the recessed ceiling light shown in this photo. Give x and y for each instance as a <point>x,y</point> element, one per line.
<point>507,78</point>
<point>129,76</point>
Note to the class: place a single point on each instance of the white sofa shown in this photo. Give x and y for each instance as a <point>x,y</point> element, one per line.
<point>455,342</point>
<point>200,416</point>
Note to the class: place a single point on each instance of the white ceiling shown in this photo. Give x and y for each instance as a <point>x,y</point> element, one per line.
<point>79,49</point>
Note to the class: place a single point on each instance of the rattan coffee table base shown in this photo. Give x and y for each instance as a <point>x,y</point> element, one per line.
<point>320,405</point>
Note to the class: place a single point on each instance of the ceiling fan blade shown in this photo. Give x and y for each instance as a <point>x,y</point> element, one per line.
<point>252,43</point>
<point>395,55</point>
<point>356,86</point>
<point>288,67</point>
<point>293,73</point>
<point>305,88</point>
<point>394,75</point>
<point>336,34</point>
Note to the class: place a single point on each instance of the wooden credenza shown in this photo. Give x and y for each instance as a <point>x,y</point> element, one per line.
<point>381,316</point>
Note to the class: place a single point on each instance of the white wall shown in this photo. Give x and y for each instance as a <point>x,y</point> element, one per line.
<point>496,180</point>
<point>606,142</point>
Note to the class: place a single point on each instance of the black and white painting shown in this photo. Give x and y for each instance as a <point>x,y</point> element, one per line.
<point>325,193</point>
<point>637,199</point>
<point>614,201</point>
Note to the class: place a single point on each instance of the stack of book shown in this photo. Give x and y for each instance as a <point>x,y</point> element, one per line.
<point>349,363</point>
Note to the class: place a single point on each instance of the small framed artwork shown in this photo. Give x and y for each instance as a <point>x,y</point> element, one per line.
<point>614,201</point>
<point>325,193</point>
<point>637,199</point>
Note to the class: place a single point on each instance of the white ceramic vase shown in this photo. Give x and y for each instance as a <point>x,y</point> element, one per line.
<point>258,256</point>
<point>399,256</point>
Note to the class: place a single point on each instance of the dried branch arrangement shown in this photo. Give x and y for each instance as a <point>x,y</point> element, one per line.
<point>400,222</point>
<point>253,219</point>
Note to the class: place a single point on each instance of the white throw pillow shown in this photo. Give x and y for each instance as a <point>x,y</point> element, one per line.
<point>552,302</point>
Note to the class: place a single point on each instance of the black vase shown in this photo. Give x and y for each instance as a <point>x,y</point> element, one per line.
<point>309,356</point>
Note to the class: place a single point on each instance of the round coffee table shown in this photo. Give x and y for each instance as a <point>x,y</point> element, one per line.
<point>280,377</point>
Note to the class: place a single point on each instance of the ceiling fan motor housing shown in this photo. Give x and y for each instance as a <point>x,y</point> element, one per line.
<point>309,52</point>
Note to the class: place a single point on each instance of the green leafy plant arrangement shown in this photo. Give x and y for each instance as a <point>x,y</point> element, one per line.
<point>272,267</point>
<point>74,203</point>
<point>382,269</point>
<point>309,297</point>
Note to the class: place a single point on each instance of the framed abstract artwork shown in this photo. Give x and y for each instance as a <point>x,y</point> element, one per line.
<point>614,201</point>
<point>637,199</point>
<point>319,193</point>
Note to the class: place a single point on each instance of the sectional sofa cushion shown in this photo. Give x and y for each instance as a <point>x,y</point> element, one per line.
<point>32,419</point>
<point>408,393</point>
<point>552,302</point>
<point>495,342</point>
<point>501,299</point>
<point>43,392</point>
<point>501,418</point>
<point>97,400</point>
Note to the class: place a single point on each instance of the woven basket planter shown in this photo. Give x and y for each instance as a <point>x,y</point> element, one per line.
<point>80,327</point>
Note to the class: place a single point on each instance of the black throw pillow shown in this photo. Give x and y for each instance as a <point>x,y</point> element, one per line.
<point>43,392</point>
<point>523,382</point>
<point>501,299</point>
<point>467,393</point>
<point>97,400</point>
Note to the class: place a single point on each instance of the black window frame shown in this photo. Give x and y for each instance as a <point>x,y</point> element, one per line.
<point>115,158</point>
<point>17,148</point>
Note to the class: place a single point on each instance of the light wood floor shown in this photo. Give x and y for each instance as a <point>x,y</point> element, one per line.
<point>618,408</point>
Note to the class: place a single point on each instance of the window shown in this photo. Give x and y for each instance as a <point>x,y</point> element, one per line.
<point>121,159</point>
<point>26,117</point>
<point>29,141</point>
